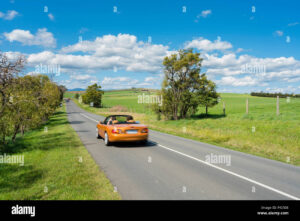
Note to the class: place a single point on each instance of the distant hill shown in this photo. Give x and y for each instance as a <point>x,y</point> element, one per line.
<point>111,90</point>
<point>76,89</point>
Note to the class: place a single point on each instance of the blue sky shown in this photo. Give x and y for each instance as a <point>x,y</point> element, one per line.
<point>246,45</point>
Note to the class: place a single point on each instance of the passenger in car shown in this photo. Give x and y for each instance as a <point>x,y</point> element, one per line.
<point>130,119</point>
<point>110,121</point>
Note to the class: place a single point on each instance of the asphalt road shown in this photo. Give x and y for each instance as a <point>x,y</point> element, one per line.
<point>172,168</point>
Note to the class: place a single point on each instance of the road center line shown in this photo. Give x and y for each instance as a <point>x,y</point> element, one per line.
<point>219,168</point>
<point>89,118</point>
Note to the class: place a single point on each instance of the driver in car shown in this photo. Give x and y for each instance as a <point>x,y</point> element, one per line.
<point>130,119</point>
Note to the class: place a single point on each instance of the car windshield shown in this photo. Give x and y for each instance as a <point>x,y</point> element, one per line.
<point>121,120</point>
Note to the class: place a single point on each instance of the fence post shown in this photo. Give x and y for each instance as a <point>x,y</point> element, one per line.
<point>277,109</point>
<point>247,106</point>
<point>224,109</point>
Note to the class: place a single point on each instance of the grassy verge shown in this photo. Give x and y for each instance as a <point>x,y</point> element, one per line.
<point>56,167</point>
<point>260,133</point>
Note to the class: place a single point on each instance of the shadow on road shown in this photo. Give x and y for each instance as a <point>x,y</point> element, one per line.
<point>133,144</point>
<point>76,122</point>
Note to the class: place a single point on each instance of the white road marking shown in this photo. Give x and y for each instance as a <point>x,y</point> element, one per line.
<point>220,168</point>
<point>232,173</point>
<point>89,118</point>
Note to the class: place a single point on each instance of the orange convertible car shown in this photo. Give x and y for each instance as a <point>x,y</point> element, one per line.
<point>121,128</point>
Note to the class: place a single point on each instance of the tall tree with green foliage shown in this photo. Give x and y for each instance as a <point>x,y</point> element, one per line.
<point>93,95</point>
<point>62,90</point>
<point>208,96</point>
<point>9,70</point>
<point>184,88</point>
<point>181,75</point>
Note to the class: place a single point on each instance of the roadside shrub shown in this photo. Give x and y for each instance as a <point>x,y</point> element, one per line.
<point>26,102</point>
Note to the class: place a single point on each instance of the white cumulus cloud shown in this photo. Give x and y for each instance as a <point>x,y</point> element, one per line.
<point>9,15</point>
<point>109,52</point>
<point>42,37</point>
<point>207,45</point>
<point>233,81</point>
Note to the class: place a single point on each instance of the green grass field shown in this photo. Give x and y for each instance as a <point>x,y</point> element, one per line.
<point>128,98</point>
<point>275,137</point>
<point>56,167</point>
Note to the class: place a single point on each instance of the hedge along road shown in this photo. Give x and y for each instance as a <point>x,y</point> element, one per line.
<point>173,168</point>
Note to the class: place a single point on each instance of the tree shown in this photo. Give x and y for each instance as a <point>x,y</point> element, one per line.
<point>9,70</point>
<point>77,96</point>
<point>62,90</point>
<point>93,95</point>
<point>184,88</point>
<point>208,96</point>
<point>181,76</point>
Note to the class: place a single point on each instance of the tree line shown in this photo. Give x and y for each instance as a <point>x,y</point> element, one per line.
<point>184,89</point>
<point>26,102</point>
<point>281,95</point>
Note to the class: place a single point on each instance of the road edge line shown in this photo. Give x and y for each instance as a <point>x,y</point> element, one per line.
<point>232,173</point>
